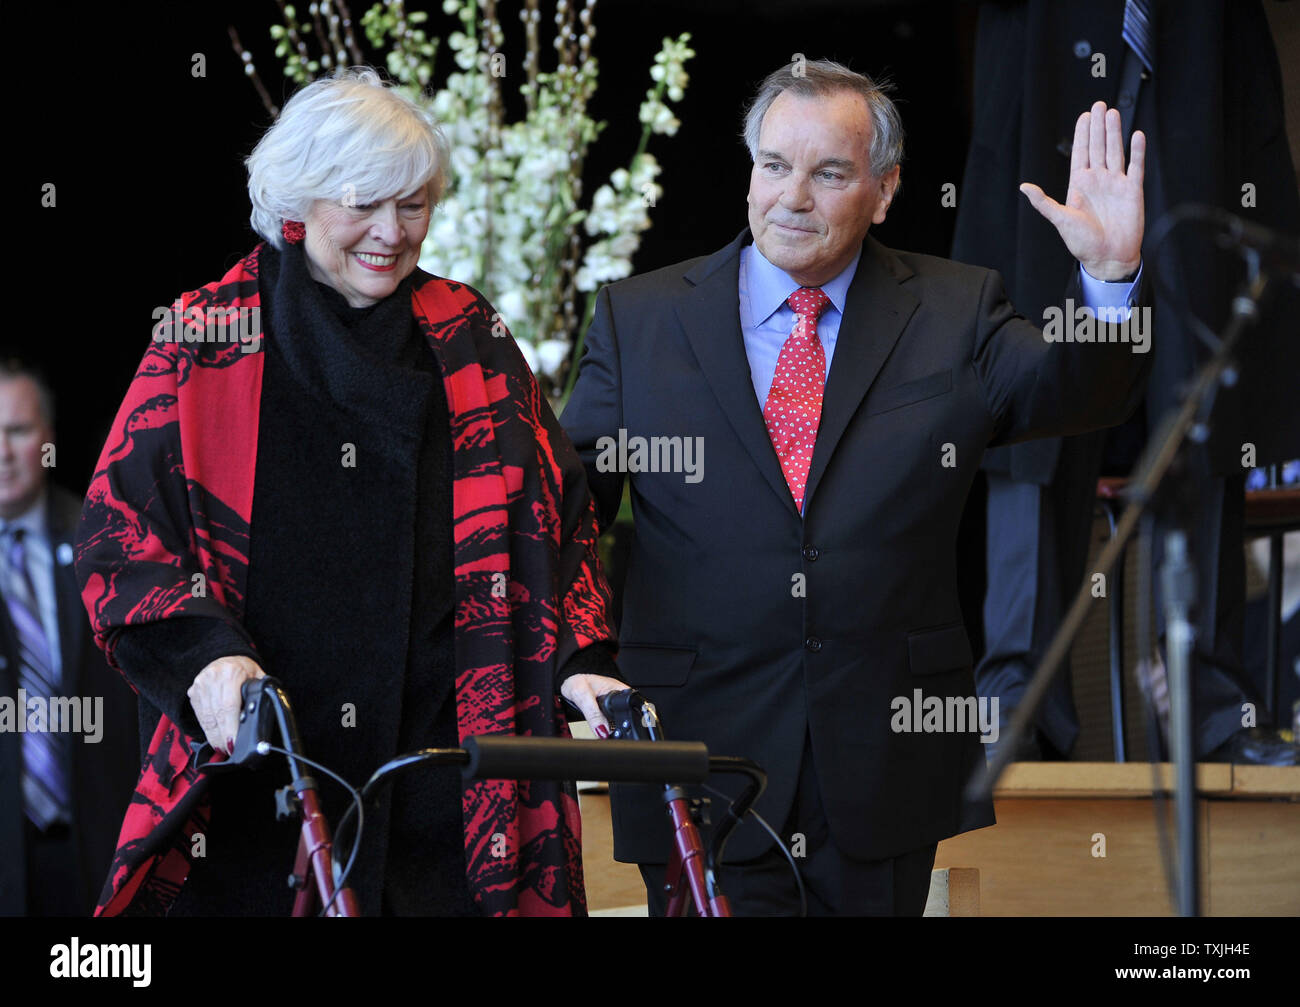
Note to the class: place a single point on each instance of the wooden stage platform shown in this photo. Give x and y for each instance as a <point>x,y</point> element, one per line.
<point>1041,859</point>
<point>1055,820</point>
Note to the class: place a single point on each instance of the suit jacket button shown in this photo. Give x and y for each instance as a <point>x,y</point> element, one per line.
<point>810,553</point>
<point>813,644</point>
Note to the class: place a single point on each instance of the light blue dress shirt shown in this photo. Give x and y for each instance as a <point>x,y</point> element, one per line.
<point>766,320</point>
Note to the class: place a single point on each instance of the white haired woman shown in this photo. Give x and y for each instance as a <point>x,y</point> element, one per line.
<point>365,495</point>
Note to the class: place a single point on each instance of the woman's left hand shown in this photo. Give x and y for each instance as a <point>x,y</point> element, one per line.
<point>584,691</point>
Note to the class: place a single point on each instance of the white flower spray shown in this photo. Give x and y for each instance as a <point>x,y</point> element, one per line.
<point>512,221</point>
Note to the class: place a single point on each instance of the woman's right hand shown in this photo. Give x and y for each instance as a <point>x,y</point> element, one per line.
<point>216,698</point>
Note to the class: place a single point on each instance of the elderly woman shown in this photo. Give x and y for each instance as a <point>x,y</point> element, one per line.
<point>356,486</point>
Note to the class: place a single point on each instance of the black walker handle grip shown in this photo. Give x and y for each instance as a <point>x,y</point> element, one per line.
<point>504,757</point>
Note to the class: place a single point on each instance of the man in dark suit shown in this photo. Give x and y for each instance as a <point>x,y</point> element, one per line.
<point>1200,77</point>
<point>791,594</point>
<point>66,777</point>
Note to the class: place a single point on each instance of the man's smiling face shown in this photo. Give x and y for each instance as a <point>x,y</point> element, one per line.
<point>812,195</point>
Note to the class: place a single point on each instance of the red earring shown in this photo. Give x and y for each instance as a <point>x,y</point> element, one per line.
<point>293,231</point>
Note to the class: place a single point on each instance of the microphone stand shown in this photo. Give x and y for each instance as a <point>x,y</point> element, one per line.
<point>1189,421</point>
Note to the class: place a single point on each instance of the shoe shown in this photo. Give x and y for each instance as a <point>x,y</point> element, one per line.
<point>1257,746</point>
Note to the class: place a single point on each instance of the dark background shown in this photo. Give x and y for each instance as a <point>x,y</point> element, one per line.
<point>151,188</point>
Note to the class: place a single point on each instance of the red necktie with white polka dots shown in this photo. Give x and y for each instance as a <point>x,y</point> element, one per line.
<point>794,404</point>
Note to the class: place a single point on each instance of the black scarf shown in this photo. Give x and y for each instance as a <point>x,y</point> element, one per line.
<point>350,589</point>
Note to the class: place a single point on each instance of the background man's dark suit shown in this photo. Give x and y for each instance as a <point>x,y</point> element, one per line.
<point>1212,112</point>
<point>104,773</point>
<point>714,631</point>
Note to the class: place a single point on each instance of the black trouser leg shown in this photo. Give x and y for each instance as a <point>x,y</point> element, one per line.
<point>836,884</point>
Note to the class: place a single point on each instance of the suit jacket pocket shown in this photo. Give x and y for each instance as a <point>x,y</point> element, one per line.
<point>655,663</point>
<point>931,651</point>
<point>912,391</point>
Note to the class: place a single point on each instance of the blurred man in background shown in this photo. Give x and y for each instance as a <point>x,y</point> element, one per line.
<point>1201,79</point>
<point>68,735</point>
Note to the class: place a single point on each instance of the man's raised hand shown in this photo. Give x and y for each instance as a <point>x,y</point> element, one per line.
<point>1102,219</point>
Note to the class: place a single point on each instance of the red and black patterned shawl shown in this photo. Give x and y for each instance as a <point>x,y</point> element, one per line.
<point>172,497</point>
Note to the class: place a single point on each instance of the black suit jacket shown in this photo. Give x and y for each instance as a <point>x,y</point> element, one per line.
<point>103,773</point>
<point>748,625</point>
<point>1213,118</point>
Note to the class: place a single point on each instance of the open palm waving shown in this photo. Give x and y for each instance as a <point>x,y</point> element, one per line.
<point>1102,218</point>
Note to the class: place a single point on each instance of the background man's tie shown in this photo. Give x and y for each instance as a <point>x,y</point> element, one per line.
<point>45,762</point>
<point>1138,33</point>
<point>794,404</point>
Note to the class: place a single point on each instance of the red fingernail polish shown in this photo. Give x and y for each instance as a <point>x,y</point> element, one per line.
<point>601,731</point>
<point>230,746</point>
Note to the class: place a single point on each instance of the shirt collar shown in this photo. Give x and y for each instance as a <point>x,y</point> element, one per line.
<point>32,520</point>
<point>769,286</point>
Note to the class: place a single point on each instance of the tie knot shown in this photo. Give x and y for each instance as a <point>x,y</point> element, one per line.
<point>809,301</point>
<point>12,537</point>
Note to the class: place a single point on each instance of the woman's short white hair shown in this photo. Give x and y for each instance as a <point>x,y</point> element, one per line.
<point>350,137</point>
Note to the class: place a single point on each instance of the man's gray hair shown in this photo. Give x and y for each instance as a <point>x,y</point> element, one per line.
<point>349,137</point>
<point>16,368</point>
<point>819,78</point>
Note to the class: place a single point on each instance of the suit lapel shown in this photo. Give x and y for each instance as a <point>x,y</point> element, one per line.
<point>710,315</point>
<point>875,313</point>
<point>67,593</point>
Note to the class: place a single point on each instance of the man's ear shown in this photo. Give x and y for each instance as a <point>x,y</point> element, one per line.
<point>888,183</point>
